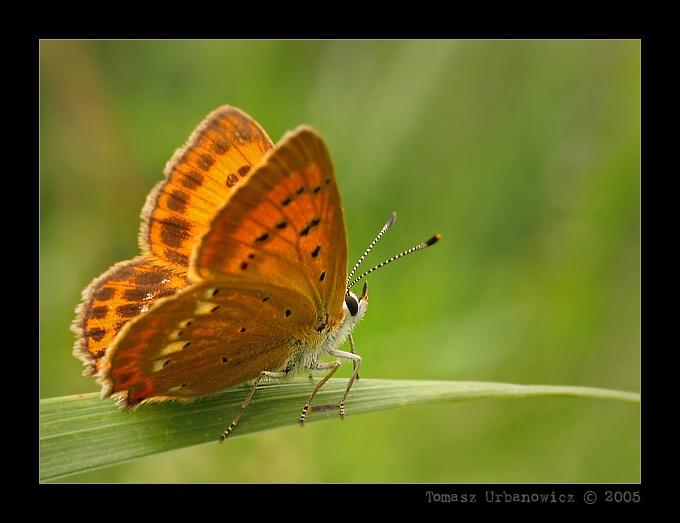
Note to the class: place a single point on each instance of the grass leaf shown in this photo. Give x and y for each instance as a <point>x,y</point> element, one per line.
<point>83,432</point>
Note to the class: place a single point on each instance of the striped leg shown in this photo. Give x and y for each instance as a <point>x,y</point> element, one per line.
<point>247,400</point>
<point>333,366</point>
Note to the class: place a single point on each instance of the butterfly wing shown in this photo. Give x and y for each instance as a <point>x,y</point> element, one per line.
<point>199,178</point>
<point>123,292</point>
<point>284,226</point>
<point>208,337</point>
<point>268,285</point>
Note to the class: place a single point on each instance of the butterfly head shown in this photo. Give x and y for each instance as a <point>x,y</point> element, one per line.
<point>355,307</point>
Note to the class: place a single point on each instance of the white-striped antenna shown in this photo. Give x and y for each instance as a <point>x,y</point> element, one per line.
<point>385,228</point>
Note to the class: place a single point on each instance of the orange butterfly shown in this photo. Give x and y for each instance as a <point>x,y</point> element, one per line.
<point>242,276</point>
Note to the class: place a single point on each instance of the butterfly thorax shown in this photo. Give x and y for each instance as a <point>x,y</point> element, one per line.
<point>307,352</point>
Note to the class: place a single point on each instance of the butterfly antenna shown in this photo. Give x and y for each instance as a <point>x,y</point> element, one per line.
<point>423,245</point>
<point>390,222</point>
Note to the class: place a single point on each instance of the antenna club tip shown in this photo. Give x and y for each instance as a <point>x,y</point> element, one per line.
<point>391,219</point>
<point>433,240</point>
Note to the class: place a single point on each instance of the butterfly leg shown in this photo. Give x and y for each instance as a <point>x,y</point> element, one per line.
<point>333,365</point>
<point>354,362</point>
<point>248,397</point>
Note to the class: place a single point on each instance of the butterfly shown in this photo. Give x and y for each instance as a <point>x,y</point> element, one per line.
<point>242,274</point>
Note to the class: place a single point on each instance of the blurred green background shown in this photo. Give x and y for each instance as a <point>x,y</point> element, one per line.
<point>524,155</point>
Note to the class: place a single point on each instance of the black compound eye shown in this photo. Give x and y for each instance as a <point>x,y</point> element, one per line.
<point>352,304</point>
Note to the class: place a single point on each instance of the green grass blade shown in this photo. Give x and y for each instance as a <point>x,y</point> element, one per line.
<point>81,433</point>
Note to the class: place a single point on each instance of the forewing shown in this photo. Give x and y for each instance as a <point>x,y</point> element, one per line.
<point>285,225</point>
<point>200,178</point>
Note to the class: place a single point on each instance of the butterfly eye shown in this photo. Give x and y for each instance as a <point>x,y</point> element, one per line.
<point>352,304</point>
